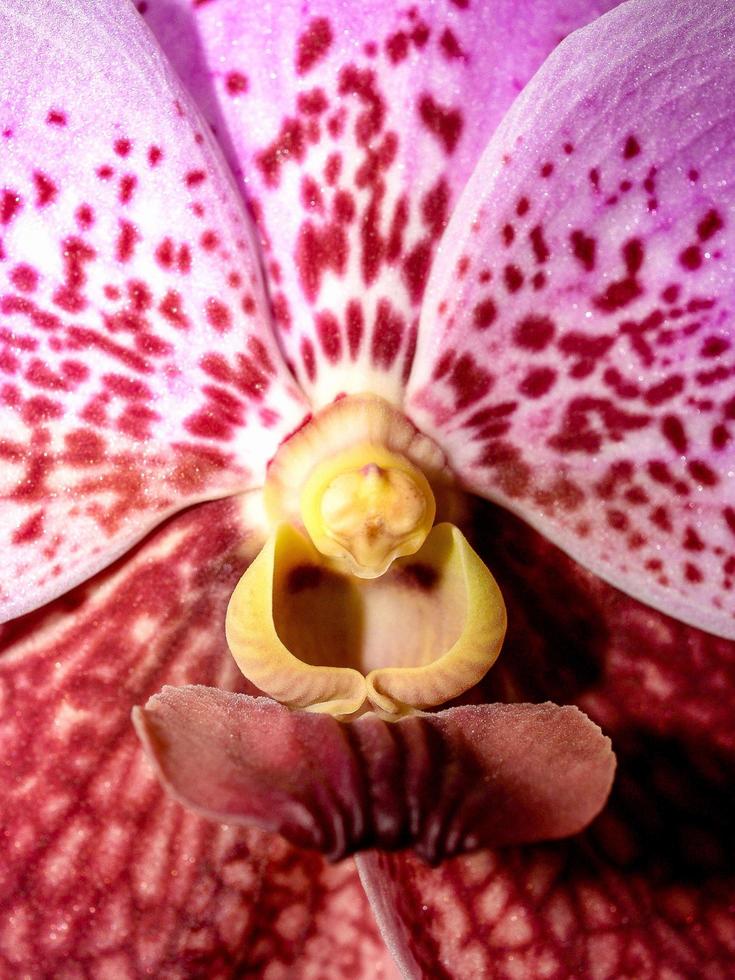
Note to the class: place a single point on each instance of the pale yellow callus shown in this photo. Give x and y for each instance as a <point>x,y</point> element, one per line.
<point>367,506</point>
<point>257,648</point>
<point>396,690</point>
<point>313,636</point>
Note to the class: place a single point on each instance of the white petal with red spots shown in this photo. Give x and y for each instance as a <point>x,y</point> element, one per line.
<point>352,128</point>
<point>577,348</point>
<point>137,368</point>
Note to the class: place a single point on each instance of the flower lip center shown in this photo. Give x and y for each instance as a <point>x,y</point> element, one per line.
<point>367,506</point>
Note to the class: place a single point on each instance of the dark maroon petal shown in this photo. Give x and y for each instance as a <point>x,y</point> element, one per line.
<point>647,891</point>
<point>138,372</point>
<point>312,920</point>
<point>576,353</point>
<point>102,875</point>
<point>352,127</point>
<point>442,784</point>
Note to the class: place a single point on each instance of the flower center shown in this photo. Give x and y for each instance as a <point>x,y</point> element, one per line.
<point>358,598</point>
<point>367,506</point>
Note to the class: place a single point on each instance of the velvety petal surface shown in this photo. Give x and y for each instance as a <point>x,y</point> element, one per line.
<point>442,784</point>
<point>647,891</point>
<point>137,369</point>
<point>352,127</point>
<point>576,357</point>
<point>102,874</point>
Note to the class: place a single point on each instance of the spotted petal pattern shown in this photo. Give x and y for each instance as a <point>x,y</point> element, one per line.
<point>577,339</point>
<point>647,891</point>
<point>352,128</point>
<point>137,369</point>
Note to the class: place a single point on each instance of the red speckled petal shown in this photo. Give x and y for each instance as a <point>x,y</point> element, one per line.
<point>137,370</point>
<point>352,127</point>
<point>647,891</point>
<point>103,875</point>
<point>443,784</point>
<point>578,355</point>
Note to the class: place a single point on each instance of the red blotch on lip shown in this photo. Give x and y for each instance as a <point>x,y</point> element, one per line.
<point>122,147</point>
<point>313,45</point>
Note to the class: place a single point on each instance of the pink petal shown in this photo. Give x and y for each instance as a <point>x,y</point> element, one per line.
<point>137,371</point>
<point>647,891</point>
<point>577,354</point>
<point>352,127</point>
<point>442,784</point>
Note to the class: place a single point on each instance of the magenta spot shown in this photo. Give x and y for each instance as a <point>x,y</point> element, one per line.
<point>10,205</point>
<point>24,278</point>
<point>484,314</point>
<point>236,83</point>
<point>508,234</point>
<point>714,346</point>
<point>355,327</point>
<point>290,143</point>
<point>313,45</point>
<point>195,177</point>
<point>538,244</point>
<point>105,172</point>
<point>317,250</point>
<point>443,123</point>
<point>170,308</point>
<point>308,358</point>
<point>470,381</point>
<point>583,248</point>
<point>702,473</point>
<point>710,224</point>
<point>388,331</point>
<point>513,278</point>
<point>209,240</point>
<point>56,117</point>
<point>534,333</point>
<point>547,169</point>
<point>128,183</point>
<point>396,47</point>
<point>674,432</point>
<point>122,147</point>
<point>30,530</point>
<point>522,206</point>
<point>155,154</point>
<point>691,257</point>
<point>126,241</point>
<point>631,148</point>
<point>84,216</point>
<point>218,315</point>
<point>537,382</point>
<point>416,269</point>
<point>46,189</point>
<point>665,390</point>
<point>450,45</point>
<point>435,207</point>
<point>330,339</point>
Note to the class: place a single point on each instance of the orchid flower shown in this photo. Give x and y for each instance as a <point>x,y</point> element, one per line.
<point>511,259</point>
